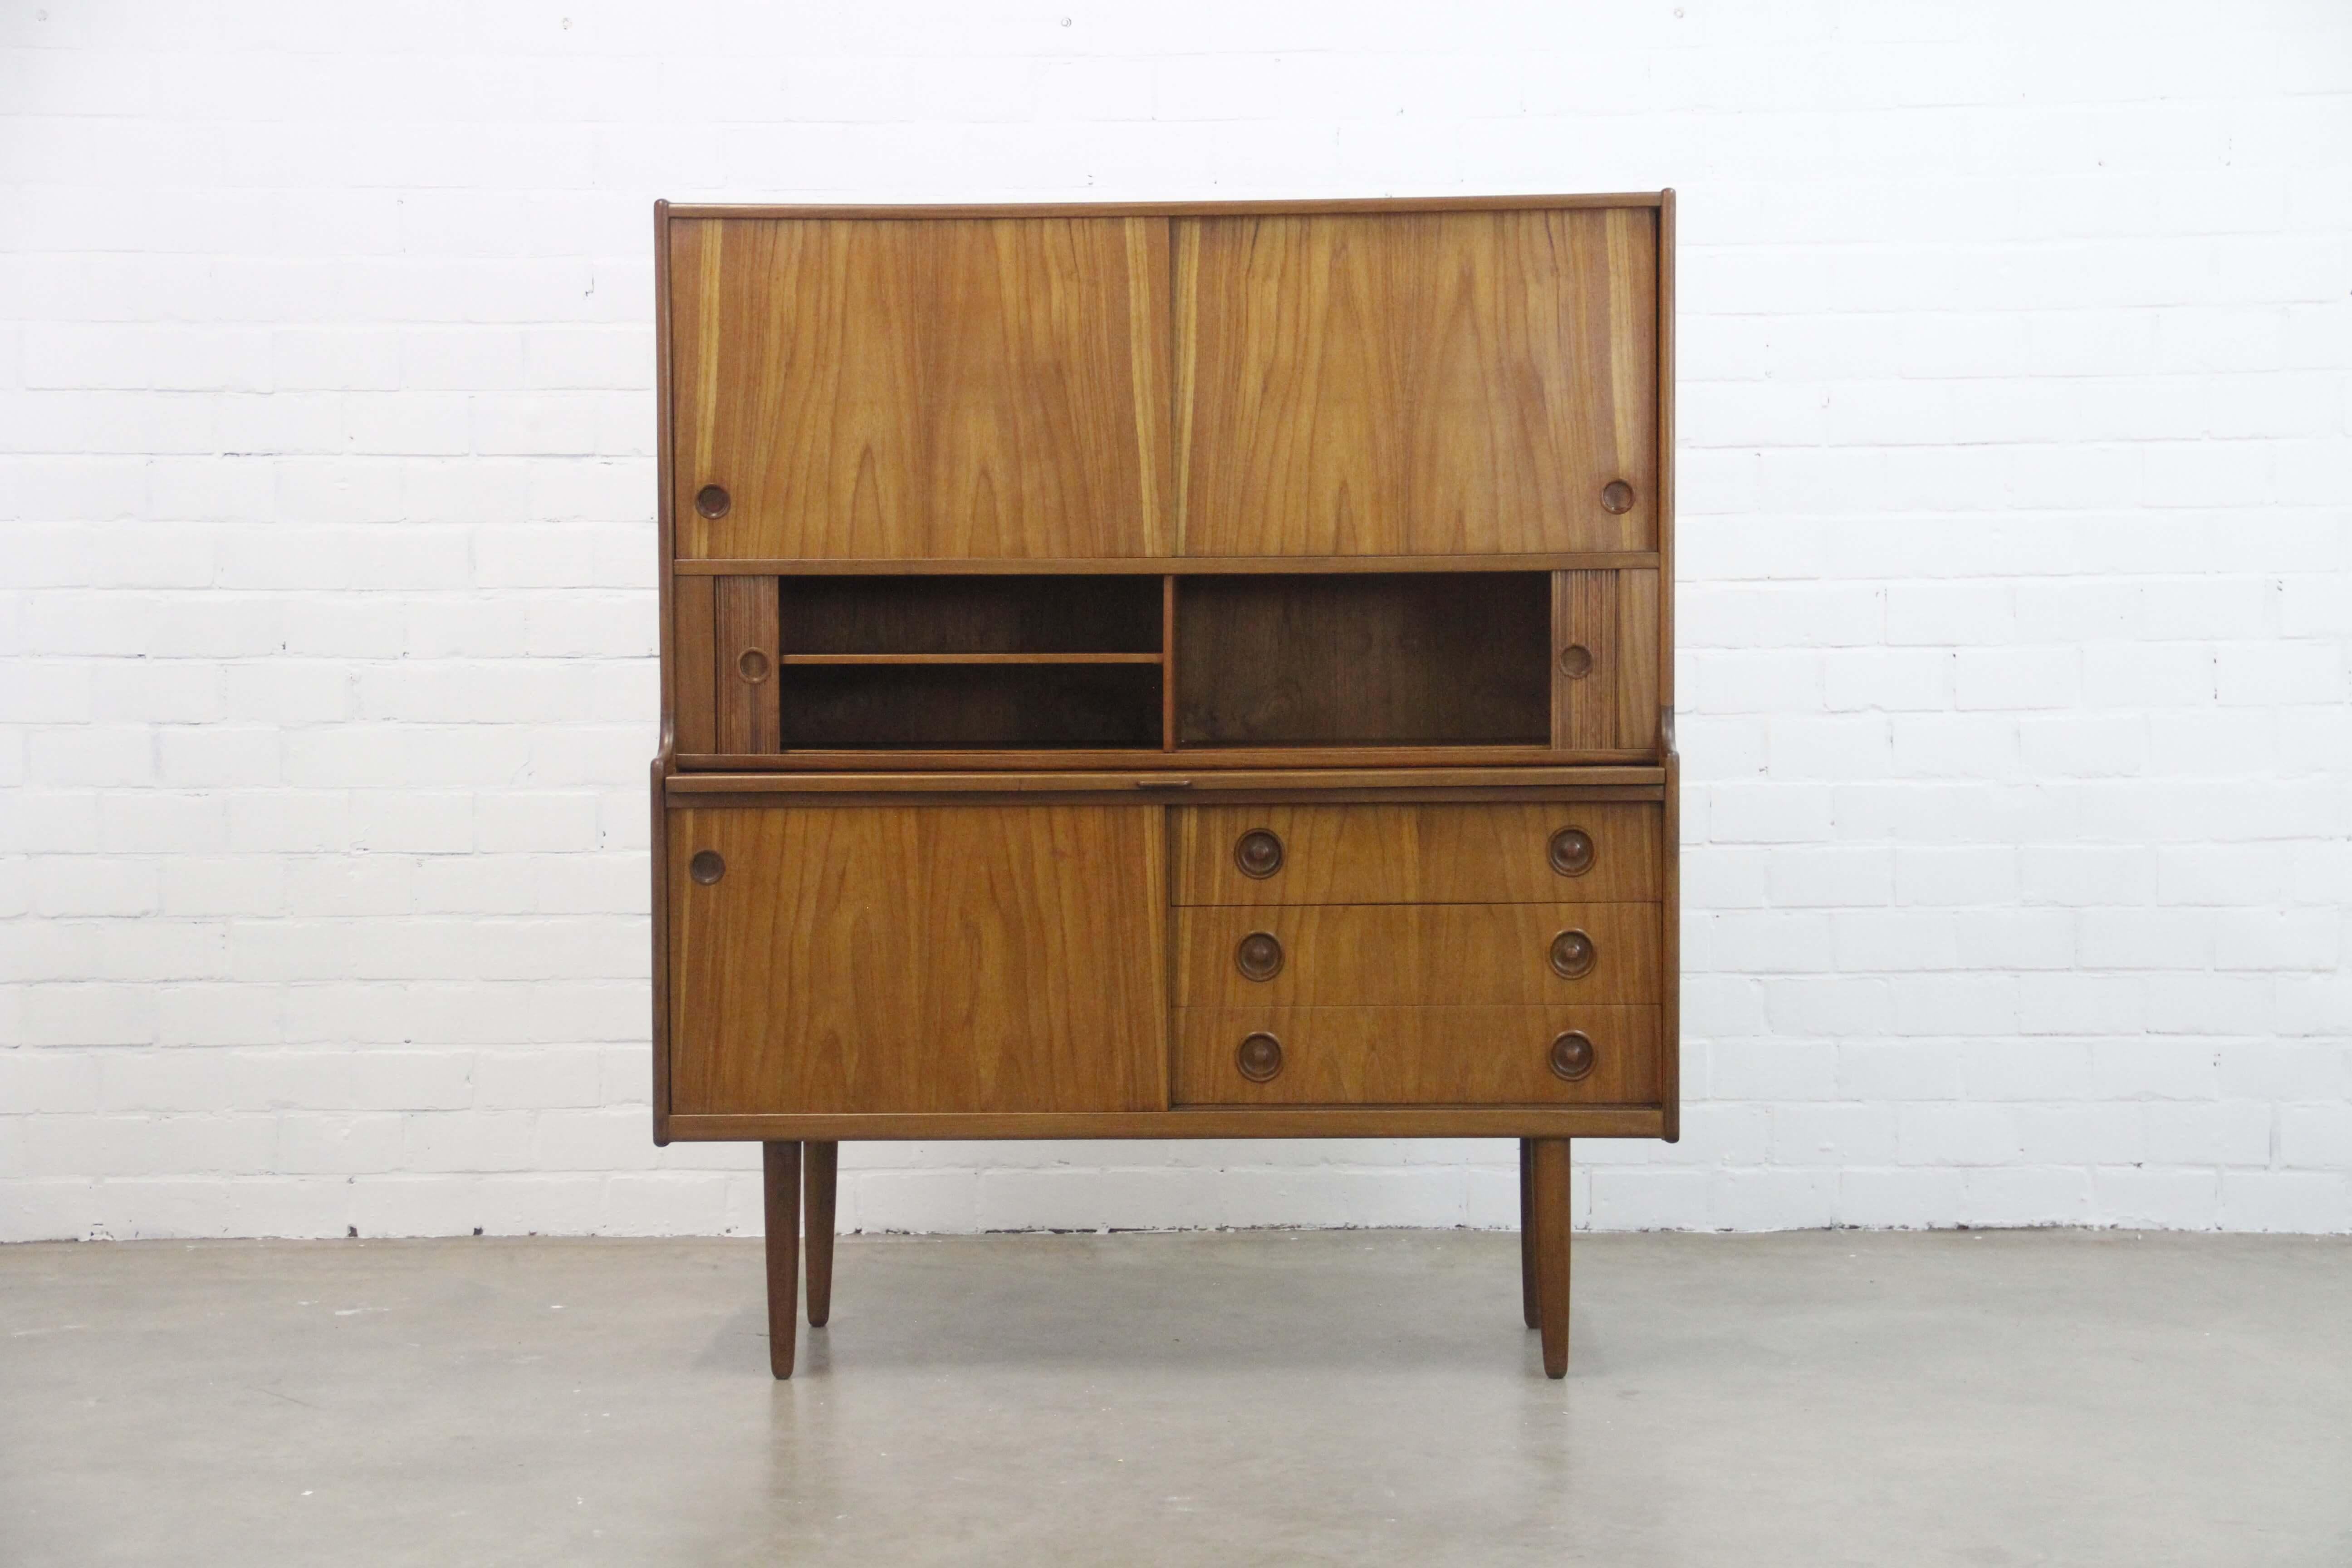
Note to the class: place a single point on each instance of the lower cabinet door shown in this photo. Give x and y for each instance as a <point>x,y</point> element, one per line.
<point>917,958</point>
<point>1593,1055</point>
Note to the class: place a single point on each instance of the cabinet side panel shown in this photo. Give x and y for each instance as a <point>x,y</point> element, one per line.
<point>933,388</point>
<point>1637,657</point>
<point>917,959</point>
<point>694,661</point>
<point>1417,383</point>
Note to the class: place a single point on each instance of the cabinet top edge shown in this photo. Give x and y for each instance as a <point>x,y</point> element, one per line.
<point>1339,206</point>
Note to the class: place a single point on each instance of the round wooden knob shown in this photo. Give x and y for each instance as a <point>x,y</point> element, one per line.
<point>1574,954</point>
<point>713,502</point>
<point>753,666</point>
<point>1258,853</point>
<point>1258,956</point>
<point>1617,496</point>
<point>1576,661</point>
<point>706,867</point>
<point>1571,1054</point>
<point>1571,852</point>
<point>1259,1057</point>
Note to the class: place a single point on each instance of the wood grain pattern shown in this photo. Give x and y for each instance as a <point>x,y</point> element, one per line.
<point>952,387</point>
<point>1417,854</point>
<point>746,716</point>
<point>1402,384</point>
<point>1417,1056</point>
<point>1139,567</point>
<point>1582,783</point>
<point>918,958</point>
<point>1416,955</point>
<point>695,666</point>
<point>1640,657</point>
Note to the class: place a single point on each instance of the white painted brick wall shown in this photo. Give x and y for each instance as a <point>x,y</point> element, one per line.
<point>2016,582</point>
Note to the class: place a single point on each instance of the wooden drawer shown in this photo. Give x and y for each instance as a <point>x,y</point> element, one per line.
<point>1396,955</point>
<point>1417,1056</point>
<point>1418,854</point>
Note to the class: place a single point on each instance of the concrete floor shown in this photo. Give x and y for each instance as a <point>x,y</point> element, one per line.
<point>1353,1397</point>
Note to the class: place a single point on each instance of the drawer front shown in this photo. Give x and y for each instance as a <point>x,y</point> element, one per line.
<point>1544,852</point>
<point>1403,955</point>
<point>909,959</point>
<point>1417,1056</point>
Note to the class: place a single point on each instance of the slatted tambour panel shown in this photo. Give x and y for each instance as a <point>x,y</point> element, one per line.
<point>1605,662</point>
<point>1417,383</point>
<point>978,387</point>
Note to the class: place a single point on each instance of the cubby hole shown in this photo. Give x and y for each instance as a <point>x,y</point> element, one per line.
<point>1364,660</point>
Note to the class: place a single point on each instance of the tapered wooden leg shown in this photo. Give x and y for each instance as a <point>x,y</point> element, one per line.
<point>1551,1251</point>
<point>824,1163</point>
<point>780,1166</point>
<point>1527,1229</point>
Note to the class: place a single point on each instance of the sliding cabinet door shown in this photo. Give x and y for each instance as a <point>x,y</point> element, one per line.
<point>971,387</point>
<point>1417,383</point>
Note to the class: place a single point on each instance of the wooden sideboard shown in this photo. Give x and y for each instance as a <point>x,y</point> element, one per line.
<point>1166,671</point>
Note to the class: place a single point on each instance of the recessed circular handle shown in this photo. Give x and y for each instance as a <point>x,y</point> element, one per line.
<point>1574,954</point>
<point>1259,1057</point>
<point>1576,661</point>
<point>753,666</point>
<point>1258,955</point>
<point>707,867</point>
<point>1617,496</point>
<point>1258,853</point>
<point>1571,1054</point>
<point>1571,852</point>
<point>713,502</point>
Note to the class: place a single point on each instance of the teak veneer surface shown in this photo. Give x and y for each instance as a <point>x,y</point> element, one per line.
<point>1417,1056</point>
<point>1417,854</point>
<point>1416,383</point>
<point>931,958</point>
<point>982,386</point>
<point>1393,955</point>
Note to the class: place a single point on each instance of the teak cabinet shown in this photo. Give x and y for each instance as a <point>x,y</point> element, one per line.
<point>1196,670</point>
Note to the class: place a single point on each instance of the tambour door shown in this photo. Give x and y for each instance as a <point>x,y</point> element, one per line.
<point>918,387</point>
<point>1417,383</point>
<point>921,958</point>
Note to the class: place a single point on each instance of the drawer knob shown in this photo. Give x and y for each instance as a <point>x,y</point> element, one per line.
<point>1571,852</point>
<point>753,666</point>
<point>713,502</point>
<point>1258,853</point>
<point>1617,496</point>
<point>1258,956</point>
<point>1571,1054</point>
<point>1574,954</point>
<point>1576,661</point>
<point>1260,1057</point>
<point>707,867</point>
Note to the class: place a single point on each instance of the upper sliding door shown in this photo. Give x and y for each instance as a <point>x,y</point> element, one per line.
<point>1417,383</point>
<point>920,388</point>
